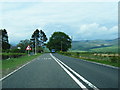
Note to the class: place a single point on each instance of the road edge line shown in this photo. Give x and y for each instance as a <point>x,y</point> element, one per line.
<point>105,65</point>
<point>81,77</point>
<point>1,79</point>
<point>69,73</point>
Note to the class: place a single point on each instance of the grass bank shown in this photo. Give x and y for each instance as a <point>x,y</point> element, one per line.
<point>108,59</point>
<point>14,63</point>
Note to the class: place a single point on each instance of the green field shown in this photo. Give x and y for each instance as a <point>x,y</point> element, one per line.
<point>95,45</point>
<point>14,63</point>
<point>105,49</point>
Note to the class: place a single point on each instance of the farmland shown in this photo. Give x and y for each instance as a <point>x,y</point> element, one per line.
<point>96,45</point>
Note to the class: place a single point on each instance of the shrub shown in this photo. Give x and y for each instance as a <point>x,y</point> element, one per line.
<point>11,55</point>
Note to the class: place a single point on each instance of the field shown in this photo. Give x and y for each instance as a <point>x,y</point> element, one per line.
<point>106,49</point>
<point>95,46</point>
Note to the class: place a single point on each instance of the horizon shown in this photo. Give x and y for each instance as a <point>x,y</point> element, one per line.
<point>80,20</point>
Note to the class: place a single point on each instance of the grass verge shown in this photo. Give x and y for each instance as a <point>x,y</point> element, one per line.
<point>110,61</point>
<point>14,63</point>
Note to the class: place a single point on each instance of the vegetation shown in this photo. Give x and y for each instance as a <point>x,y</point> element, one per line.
<point>37,40</point>
<point>109,59</point>
<point>59,41</point>
<point>106,49</point>
<point>11,55</point>
<point>14,63</point>
<point>96,45</point>
<point>21,47</point>
<point>5,41</point>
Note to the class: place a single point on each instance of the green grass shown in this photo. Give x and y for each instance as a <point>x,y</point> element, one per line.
<point>104,62</point>
<point>113,61</point>
<point>14,63</point>
<point>106,49</point>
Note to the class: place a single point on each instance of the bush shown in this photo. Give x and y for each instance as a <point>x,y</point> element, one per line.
<point>11,55</point>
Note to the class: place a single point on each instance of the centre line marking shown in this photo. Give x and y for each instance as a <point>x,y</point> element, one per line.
<point>70,74</point>
<point>83,79</point>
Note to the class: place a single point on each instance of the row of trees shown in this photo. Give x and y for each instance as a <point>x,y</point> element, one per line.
<point>36,42</point>
<point>59,41</point>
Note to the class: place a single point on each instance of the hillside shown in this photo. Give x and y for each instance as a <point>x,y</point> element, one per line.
<point>96,45</point>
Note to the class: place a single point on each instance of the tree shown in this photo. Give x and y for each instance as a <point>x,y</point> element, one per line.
<point>43,37</point>
<point>37,40</point>
<point>59,41</point>
<point>23,44</point>
<point>5,41</point>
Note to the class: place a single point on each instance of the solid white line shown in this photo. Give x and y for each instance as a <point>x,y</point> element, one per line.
<point>83,79</point>
<point>102,64</point>
<point>15,70</point>
<point>70,74</point>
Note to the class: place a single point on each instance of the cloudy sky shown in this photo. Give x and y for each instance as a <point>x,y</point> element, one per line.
<point>83,20</point>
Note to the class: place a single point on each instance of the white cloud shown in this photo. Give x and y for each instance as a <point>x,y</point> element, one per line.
<point>96,31</point>
<point>21,18</point>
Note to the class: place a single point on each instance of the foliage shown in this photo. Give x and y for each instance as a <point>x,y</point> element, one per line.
<point>22,44</point>
<point>59,41</point>
<point>11,55</point>
<point>5,41</point>
<point>37,39</point>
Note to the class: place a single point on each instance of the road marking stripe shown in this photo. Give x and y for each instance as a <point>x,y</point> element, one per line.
<point>70,74</point>
<point>16,70</point>
<point>101,64</point>
<point>83,79</point>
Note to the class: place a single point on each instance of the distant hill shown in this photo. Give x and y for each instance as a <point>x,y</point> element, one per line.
<point>96,45</point>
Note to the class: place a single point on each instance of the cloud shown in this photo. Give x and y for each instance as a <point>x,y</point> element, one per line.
<point>20,19</point>
<point>96,31</point>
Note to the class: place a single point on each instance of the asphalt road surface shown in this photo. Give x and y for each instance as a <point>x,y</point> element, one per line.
<point>58,71</point>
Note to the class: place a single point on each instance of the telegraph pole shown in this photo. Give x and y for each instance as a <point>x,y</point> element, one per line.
<point>35,47</point>
<point>71,42</point>
<point>61,45</point>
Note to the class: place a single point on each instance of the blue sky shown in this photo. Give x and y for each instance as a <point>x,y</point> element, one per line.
<point>81,20</point>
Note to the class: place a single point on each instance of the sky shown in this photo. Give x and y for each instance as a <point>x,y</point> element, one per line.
<point>81,20</point>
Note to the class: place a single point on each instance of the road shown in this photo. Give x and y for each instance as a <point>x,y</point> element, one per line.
<point>58,71</point>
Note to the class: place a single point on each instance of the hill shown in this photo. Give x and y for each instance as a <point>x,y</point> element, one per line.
<point>96,45</point>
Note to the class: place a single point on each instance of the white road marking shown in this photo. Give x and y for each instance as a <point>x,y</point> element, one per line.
<point>46,58</point>
<point>101,64</point>
<point>69,73</point>
<point>83,79</point>
<point>16,70</point>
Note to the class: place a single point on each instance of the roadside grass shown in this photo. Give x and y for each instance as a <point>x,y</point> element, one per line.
<point>103,62</point>
<point>108,60</point>
<point>10,65</point>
